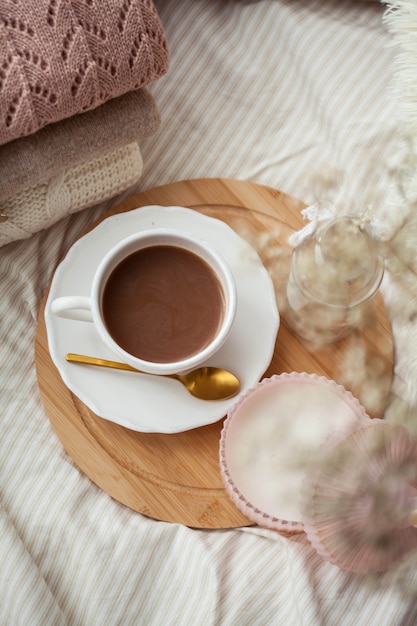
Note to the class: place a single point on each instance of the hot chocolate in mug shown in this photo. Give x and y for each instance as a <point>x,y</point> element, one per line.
<point>163,300</point>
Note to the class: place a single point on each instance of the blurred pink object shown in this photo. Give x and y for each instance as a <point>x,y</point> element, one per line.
<point>272,435</point>
<point>65,57</point>
<point>359,503</point>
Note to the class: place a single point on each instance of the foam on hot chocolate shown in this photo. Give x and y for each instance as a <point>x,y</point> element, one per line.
<point>163,304</point>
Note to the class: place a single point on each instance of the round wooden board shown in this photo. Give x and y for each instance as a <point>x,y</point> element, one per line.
<point>176,477</point>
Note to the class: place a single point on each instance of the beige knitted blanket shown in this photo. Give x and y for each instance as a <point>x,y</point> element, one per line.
<point>37,158</point>
<point>74,188</point>
<point>62,57</point>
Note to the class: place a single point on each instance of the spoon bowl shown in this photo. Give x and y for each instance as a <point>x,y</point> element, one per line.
<point>205,383</point>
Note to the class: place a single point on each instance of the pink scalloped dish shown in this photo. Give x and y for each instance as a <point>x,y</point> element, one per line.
<point>273,434</point>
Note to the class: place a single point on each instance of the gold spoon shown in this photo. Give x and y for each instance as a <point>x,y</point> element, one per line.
<point>206,383</point>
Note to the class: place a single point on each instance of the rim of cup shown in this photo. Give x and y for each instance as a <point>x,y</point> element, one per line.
<point>176,238</point>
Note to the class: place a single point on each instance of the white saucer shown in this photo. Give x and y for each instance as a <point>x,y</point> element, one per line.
<point>148,403</point>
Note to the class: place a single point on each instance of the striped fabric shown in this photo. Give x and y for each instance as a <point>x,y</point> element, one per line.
<point>295,94</point>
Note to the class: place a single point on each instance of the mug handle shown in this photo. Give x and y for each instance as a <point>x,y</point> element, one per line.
<point>73,308</point>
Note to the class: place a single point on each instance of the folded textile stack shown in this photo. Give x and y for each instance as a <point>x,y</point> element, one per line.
<point>73,104</point>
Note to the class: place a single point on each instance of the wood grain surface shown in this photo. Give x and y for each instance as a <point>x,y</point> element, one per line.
<point>176,477</point>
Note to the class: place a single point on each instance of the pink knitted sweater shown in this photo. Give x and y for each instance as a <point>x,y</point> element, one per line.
<point>62,57</point>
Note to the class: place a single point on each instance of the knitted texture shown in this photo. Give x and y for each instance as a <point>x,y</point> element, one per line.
<point>77,188</point>
<point>62,57</point>
<point>39,157</point>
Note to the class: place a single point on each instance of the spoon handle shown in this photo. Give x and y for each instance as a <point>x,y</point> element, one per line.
<point>90,360</point>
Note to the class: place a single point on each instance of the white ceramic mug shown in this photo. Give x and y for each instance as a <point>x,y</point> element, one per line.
<point>89,308</point>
